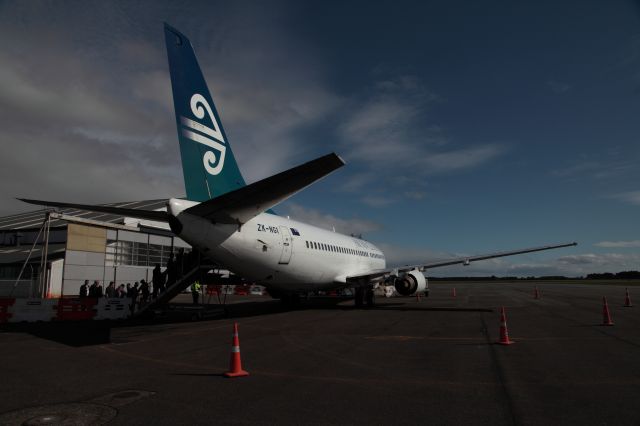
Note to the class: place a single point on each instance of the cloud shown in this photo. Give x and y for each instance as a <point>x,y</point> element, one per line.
<point>262,127</point>
<point>630,197</point>
<point>415,195</point>
<point>460,159</point>
<point>623,260</point>
<point>579,265</point>
<point>600,169</point>
<point>577,169</point>
<point>88,112</point>
<point>387,130</point>
<point>558,86</point>
<point>402,255</point>
<point>377,201</point>
<point>618,244</point>
<point>356,182</point>
<point>327,221</point>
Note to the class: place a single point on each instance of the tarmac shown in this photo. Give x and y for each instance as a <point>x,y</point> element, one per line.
<point>432,361</point>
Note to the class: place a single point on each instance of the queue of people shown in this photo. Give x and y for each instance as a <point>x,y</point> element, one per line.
<point>143,292</point>
<point>95,290</point>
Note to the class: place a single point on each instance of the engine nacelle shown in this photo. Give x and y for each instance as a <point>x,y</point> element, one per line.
<point>410,283</point>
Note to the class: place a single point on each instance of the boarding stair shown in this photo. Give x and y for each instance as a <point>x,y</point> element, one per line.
<point>173,290</point>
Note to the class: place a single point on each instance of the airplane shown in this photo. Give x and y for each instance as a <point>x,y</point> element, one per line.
<point>232,223</point>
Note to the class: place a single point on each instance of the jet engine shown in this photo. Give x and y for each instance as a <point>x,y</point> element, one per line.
<point>410,283</point>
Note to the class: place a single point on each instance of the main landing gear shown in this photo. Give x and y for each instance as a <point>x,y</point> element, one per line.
<point>364,296</point>
<point>290,300</point>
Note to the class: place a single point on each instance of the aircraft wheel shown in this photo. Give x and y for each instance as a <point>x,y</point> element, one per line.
<point>359,297</point>
<point>370,297</point>
<point>291,300</point>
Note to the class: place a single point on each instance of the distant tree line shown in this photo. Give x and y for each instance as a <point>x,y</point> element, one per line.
<point>625,275</point>
<point>494,278</point>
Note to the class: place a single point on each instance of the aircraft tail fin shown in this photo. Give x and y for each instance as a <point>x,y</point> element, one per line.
<point>208,163</point>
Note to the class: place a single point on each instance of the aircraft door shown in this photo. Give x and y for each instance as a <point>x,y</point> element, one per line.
<point>287,245</point>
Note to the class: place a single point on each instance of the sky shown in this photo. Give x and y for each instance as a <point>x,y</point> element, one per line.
<point>467,127</point>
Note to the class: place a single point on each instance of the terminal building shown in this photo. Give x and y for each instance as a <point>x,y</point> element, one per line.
<point>49,253</point>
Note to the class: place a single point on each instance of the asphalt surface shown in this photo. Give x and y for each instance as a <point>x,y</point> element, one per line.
<point>428,362</point>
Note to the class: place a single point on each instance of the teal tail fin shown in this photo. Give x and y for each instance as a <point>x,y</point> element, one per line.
<point>208,164</point>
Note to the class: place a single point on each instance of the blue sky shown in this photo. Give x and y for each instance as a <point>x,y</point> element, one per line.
<point>467,127</point>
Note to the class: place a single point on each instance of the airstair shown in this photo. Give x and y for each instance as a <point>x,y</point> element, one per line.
<point>172,291</point>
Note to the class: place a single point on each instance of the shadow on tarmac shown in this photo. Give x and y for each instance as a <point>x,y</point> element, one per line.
<point>87,333</point>
<point>71,333</point>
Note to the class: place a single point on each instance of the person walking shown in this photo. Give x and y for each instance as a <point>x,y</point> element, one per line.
<point>84,289</point>
<point>111,290</point>
<point>93,289</point>
<point>134,296</point>
<point>157,281</point>
<point>179,263</point>
<point>144,290</point>
<point>195,291</point>
<point>171,271</point>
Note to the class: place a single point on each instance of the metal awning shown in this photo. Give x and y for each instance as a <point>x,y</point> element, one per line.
<point>19,254</point>
<point>34,219</point>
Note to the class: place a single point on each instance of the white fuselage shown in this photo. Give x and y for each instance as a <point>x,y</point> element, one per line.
<point>267,250</point>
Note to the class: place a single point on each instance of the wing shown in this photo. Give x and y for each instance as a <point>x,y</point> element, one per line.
<point>466,260</point>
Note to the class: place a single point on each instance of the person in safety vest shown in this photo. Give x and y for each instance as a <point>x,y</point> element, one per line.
<point>195,291</point>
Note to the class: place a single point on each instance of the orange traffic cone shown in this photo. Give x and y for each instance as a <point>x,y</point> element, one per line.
<point>606,316</point>
<point>627,299</point>
<point>536,293</point>
<point>454,292</point>
<point>236,363</point>
<point>504,333</point>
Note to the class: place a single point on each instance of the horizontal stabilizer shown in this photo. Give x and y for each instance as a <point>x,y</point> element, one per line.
<point>241,205</point>
<point>140,214</point>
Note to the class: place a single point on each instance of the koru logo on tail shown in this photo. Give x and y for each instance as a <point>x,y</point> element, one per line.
<point>209,136</point>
